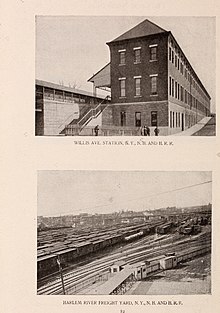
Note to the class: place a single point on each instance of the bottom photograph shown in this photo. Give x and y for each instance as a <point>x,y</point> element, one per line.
<point>124,232</point>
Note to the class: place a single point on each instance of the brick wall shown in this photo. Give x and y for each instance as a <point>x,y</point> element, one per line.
<point>145,109</point>
<point>144,69</point>
<point>107,116</point>
<point>180,78</point>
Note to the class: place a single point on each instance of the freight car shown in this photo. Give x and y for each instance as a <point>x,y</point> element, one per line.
<point>46,265</point>
<point>134,236</point>
<point>142,270</point>
<point>75,249</point>
<point>67,256</point>
<point>189,229</point>
<point>163,229</point>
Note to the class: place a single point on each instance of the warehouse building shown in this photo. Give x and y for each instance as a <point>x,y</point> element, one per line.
<point>152,83</point>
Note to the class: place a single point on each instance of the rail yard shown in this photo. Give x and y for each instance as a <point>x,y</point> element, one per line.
<point>111,259</point>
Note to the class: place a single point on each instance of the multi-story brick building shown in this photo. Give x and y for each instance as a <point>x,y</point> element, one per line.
<point>152,82</point>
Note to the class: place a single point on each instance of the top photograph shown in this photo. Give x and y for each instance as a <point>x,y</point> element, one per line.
<point>125,76</point>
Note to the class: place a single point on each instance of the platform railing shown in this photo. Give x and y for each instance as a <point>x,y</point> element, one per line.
<point>93,112</point>
<point>76,130</point>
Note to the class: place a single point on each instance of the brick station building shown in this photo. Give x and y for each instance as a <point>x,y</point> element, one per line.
<point>152,82</point>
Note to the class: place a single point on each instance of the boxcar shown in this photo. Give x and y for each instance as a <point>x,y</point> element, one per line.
<point>46,265</point>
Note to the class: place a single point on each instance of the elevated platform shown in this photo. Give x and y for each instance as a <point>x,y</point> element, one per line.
<point>116,284</point>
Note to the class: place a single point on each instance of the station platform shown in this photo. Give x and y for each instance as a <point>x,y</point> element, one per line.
<point>116,283</point>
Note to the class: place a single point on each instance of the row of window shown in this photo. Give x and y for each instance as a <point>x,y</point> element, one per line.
<point>179,64</point>
<point>175,119</point>
<point>178,92</point>
<point>137,54</point>
<point>178,119</point>
<point>137,118</point>
<point>60,95</point>
<point>137,84</point>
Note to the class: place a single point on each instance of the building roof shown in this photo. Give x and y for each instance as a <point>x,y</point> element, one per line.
<point>65,88</point>
<point>110,285</point>
<point>143,29</point>
<point>102,77</point>
<point>45,257</point>
<point>119,263</point>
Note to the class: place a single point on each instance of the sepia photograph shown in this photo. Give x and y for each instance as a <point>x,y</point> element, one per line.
<point>95,216</point>
<point>125,76</point>
<point>124,232</point>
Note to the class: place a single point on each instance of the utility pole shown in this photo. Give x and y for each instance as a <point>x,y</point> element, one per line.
<point>61,273</point>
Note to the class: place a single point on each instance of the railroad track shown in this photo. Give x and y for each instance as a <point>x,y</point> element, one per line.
<point>119,250</point>
<point>135,255</point>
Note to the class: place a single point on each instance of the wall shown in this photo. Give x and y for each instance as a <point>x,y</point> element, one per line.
<point>39,123</point>
<point>144,69</point>
<point>39,115</point>
<point>191,117</point>
<point>107,116</point>
<point>193,114</point>
<point>145,109</point>
<point>57,115</point>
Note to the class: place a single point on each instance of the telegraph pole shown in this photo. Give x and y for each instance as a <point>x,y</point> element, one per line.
<point>61,273</point>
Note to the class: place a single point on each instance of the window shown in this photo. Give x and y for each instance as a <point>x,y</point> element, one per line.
<point>123,118</point>
<point>170,57</point>
<point>189,76</point>
<point>170,85</point>
<point>138,119</point>
<point>153,85</point>
<point>153,53</point>
<point>181,93</point>
<point>122,57</point>
<point>176,119</point>
<point>154,118</point>
<point>175,61</point>
<point>176,90</point>
<point>137,55</point>
<point>137,86</point>
<point>122,87</point>
<point>171,119</point>
<point>185,96</point>
<point>181,68</point>
<point>178,64</point>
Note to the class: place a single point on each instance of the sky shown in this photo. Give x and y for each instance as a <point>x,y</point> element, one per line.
<point>70,49</point>
<point>74,192</point>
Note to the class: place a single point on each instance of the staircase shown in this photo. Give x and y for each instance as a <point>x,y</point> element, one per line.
<point>87,114</point>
